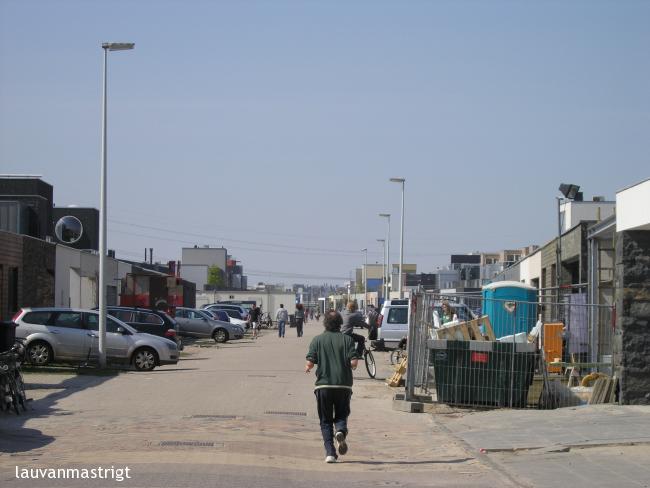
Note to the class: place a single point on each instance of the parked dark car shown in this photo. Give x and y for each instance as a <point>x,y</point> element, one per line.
<point>153,322</point>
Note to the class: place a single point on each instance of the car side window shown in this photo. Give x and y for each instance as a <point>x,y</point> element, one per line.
<point>112,325</point>
<point>182,314</point>
<point>37,318</point>
<point>123,315</point>
<point>92,321</point>
<point>398,316</point>
<point>69,320</point>
<point>149,318</point>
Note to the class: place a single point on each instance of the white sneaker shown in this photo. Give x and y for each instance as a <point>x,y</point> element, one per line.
<point>341,445</point>
<point>330,459</point>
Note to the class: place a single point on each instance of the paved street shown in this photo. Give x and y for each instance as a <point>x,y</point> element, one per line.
<point>240,414</point>
<point>591,445</point>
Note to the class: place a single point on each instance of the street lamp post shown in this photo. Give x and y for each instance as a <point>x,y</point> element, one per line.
<point>365,280</point>
<point>383,269</point>
<point>106,46</point>
<point>388,274</point>
<point>401,238</point>
<point>570,192</point>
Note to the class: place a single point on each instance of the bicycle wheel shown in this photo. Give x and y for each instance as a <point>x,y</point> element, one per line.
<point>5,392</point>
<point>396,356</point>
<point>13,391</point>
<point>371,367</point>
<point>20,388</point>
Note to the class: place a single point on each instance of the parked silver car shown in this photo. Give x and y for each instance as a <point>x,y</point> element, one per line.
<point>66,334</point>
<point>197,323</point>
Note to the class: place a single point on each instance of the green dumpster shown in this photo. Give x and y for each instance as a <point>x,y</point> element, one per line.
<point>477,373</point>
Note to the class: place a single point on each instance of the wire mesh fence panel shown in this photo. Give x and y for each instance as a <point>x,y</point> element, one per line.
<point>470,350</point>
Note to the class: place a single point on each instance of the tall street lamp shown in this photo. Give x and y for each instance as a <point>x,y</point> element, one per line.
<point>401,238</point>
<point>570,192</point>
<point>365,280</point>
<point>387,216</point>
<point>106,46</point>
<point>383,269</point>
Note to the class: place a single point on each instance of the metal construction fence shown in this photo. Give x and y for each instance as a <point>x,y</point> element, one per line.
<point>485,352</point>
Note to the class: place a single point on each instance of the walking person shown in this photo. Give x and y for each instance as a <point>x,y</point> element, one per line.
<point>300,316</point>
<point>372,322</point>
<point>253,318</point>
<point>336,357</point>
<point>281,316</point>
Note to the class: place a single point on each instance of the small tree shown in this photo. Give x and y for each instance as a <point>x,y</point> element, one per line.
<point>215,277</point>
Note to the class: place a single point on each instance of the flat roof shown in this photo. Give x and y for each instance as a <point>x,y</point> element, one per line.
<point>633,185</point>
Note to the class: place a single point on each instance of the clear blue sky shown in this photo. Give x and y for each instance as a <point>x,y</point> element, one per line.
<point>273,127</point>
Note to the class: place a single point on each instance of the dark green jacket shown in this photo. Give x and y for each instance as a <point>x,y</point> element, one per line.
<point>332,352</point>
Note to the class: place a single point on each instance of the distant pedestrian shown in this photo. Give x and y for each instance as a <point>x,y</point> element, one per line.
<point>336,357</point>
<point>253,318</point>
<point>300,316</point>
<point>306,312</point>
<point>372,322</point>
<point>281,316</point>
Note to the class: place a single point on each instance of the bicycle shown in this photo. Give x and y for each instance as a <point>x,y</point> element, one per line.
<point>266,321</point>
<point>369,360</point>
<point>12,385</point>
<point>399,353</point>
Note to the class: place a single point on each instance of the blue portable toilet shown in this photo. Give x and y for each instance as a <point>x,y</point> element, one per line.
<point>511,307</point>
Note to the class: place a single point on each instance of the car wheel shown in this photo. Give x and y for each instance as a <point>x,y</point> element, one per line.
<point>39,353</point>
<point>220,335</point>
<point>145,359</point>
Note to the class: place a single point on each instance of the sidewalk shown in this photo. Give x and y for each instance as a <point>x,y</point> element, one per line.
<point>591,445</point>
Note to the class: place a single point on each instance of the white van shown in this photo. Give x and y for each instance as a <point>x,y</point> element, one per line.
<point>392,323</point>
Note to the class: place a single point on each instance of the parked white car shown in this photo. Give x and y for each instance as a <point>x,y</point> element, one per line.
<point>67,334</point>
<point>392,323</point>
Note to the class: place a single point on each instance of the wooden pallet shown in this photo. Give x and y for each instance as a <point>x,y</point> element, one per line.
<point>400,369</point>
<point>604,391</point>
<point>468,331</point>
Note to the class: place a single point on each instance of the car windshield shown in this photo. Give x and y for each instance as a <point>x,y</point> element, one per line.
<point>234,314</point>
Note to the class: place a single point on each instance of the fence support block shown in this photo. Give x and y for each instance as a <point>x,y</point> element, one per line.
<point>415,405</point>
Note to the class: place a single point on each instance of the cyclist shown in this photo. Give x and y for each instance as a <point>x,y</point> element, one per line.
<point>352,318</point>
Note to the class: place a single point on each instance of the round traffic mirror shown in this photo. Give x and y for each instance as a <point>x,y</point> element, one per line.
<point>68,229</point>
